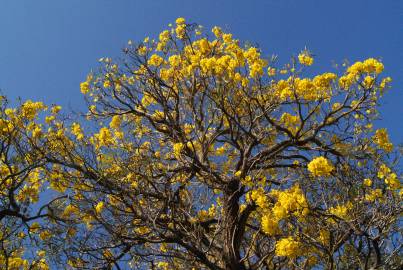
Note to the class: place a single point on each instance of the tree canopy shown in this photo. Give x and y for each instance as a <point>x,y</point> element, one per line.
<point>197,152</point>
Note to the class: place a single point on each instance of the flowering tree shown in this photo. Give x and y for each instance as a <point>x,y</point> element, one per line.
<point>21,184</point>
<point>205,155</point>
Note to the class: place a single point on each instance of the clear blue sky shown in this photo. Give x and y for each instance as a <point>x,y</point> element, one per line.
<point>47,47</point>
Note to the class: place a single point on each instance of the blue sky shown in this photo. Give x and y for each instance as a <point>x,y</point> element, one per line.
<point>47,47</point>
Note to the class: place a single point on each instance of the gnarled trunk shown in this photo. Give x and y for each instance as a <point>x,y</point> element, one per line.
<point>232,241</point>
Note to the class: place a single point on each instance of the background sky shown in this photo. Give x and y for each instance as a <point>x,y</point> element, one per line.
<point>47,47</point>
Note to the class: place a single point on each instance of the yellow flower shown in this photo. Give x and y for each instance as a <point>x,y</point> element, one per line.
<point>163,265</point>
<point>271,71</point>
<point>270,225</point>
<point>323,81</point>
<point>107,83</point>
<point>31,109</point>
<point>341,211</point>
<point>164,247</point>
<point>56,109</point>
<point>291,201</point>
<point>305,58</point>
<point>84,87</point>
<point>164,36</point>
<point>77,131</point>
<point>392,181</point>
<point>142,50</point>
<point>34,227</point>
<point>291,122</point>
<point>373,195</point>
<point>41,253</point>
<point>384,83</point>
<point>368,81</point>
<point>115,122</point>
<point>367,182</point>
<point>324,236</point>
<point>371,65</point>
<point>105,137</point>
<point>320,166</point>
<point>217,31</point>
<point>289,247</point>
<point>381,138</point>
<point>227,38</point>
<point>220,150</point>
<point>180,30</point>
<point>99,207</point>
<point>49,119</point>
<point>383,171</point>
<point>147,100</point>
<point>177,148</point>
<point>180,20</point>
<point>174,60</point>
<point>70,210</point>
<point>45,235</point>
<point>336,106</point>
<point>158,115</point>
<point>37,132</point>
<point>237,173</point>
<point>155,60</point>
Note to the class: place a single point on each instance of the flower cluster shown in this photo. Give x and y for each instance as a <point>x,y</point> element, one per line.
<point>289,247</point>
<point>289,202</point>
<point>305,58</point>
<point>381,138</point>
<point>391,178</point>
<point>320,166</point>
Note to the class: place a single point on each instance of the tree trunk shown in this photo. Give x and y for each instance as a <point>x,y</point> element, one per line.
<point>231,241</point>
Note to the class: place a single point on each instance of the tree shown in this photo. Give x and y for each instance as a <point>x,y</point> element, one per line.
<point>198,153</point>
<point>21,184</point>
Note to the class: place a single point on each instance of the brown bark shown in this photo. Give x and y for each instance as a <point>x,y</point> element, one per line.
<point>231,241</point>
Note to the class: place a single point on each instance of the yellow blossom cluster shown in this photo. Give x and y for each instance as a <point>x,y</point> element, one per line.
<point>291,122</point>
<point>104,137</point>
<point>116,121</point>
<point>204,215</point>
<point>288,202</point>
<point>289,247</point>
<point>369,66</point>
<point>320,166</point>
<point>381,138</point>
<point>342,210</point>
<point>177,149</point>
<point>99,207</point>
<point>155,60</point>
<point>373,195</point>
<point>30,109</point>
<point>85,86</point>
<point>391,178</point>
<point>305,58</point>
<point>180,27</point>
<point>77,131</point>
<point>309,89</point>
<point>367,182</point>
